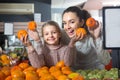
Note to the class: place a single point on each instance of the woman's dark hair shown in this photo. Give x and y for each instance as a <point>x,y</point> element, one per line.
<point>81,13</point>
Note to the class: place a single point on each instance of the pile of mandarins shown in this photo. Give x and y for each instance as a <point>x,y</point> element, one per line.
<point>24,71</point>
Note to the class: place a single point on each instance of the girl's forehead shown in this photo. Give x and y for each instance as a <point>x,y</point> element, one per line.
<point>49,27</point>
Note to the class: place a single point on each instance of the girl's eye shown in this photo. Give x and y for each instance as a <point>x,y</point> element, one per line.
<point>46,34</point>
<point>54,32</point>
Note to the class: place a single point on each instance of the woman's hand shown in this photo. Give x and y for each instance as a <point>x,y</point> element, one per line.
<point>34,35</point>
<point>77,38</point>
<point>95,32</point>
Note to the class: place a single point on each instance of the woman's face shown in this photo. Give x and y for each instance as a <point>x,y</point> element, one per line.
<point>70,23</point>
<point>51,35</point>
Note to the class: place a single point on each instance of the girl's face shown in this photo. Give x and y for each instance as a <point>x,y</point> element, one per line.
<point>70,23</point>
<point>51,35</point>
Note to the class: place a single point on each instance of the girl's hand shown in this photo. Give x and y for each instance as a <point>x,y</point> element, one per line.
<point>34,35</point>
<point>25,41</point>
<point>95,32</point>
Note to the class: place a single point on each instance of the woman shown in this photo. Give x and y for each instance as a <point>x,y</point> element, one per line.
<point>90,54</point>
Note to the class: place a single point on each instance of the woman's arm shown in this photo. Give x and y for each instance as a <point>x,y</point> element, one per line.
<point>103,55</point>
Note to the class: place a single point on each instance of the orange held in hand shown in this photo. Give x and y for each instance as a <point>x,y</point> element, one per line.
<point>21,33</point>
<point>81,30</point>
<point>32,25</point>
<point>91,22</point>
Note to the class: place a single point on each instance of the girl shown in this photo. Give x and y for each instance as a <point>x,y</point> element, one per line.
<point>52,51</point>
<point>90,54</point>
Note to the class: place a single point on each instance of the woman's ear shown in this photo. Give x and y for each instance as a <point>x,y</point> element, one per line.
<point>82,22</point>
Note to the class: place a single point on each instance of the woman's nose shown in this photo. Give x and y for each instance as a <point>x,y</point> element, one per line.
<point>67,26</point>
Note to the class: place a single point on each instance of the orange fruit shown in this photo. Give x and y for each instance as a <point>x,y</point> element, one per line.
<point>8,78</point>
<point>32,75</point>
<point>91,22</point>
<point>23,65</point>
<point>17,73</point>
<point>56,74</point>
<point>2,76</point>
<point>66,70</point>
<point>6,70</point>
<point>79,77</point>
<point>18,78</point>
<point>31,68</point>
<point>21,33</point>
<point>15,68</point>
<point>63,77</point>
<point>32,25</point>
<point>4,57</point>
<point>53,69</point>
<point>60,64</point>
<point>81,30</point>
<point>42,72</point>
<point>47,77</point>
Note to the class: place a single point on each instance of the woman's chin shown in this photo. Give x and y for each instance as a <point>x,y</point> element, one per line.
<point>71,36</point>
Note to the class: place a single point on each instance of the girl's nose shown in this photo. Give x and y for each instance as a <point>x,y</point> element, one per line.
<point>51,35</point>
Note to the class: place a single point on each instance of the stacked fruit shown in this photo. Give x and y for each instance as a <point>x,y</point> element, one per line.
<point>24,71</point>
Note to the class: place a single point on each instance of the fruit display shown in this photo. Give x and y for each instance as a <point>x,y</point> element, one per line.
<point>24,71</point>
<point>96,74</point>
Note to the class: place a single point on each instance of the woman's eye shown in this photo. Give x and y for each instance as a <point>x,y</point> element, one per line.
<point>72,22</point>
<point>63,23</point>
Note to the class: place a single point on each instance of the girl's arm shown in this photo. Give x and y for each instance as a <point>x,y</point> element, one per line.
<point>70,54</point>
<point>36,58</point>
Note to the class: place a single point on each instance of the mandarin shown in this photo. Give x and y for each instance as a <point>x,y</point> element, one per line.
<point>17,73</point>
<point>91,22</point>
<point>81,30</point>
<point>23,65</point>
<point>32,25</point>
<point>2,76</point>
<point>8,78</point>
<point>60,64</point>
<point>63,77</point>
<point>21,33</point>
<point>79,77</point>
<point>66,70</point>
<point>32,75</point>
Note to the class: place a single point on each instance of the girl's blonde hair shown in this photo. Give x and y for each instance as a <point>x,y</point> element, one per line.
<point>52,23</point>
